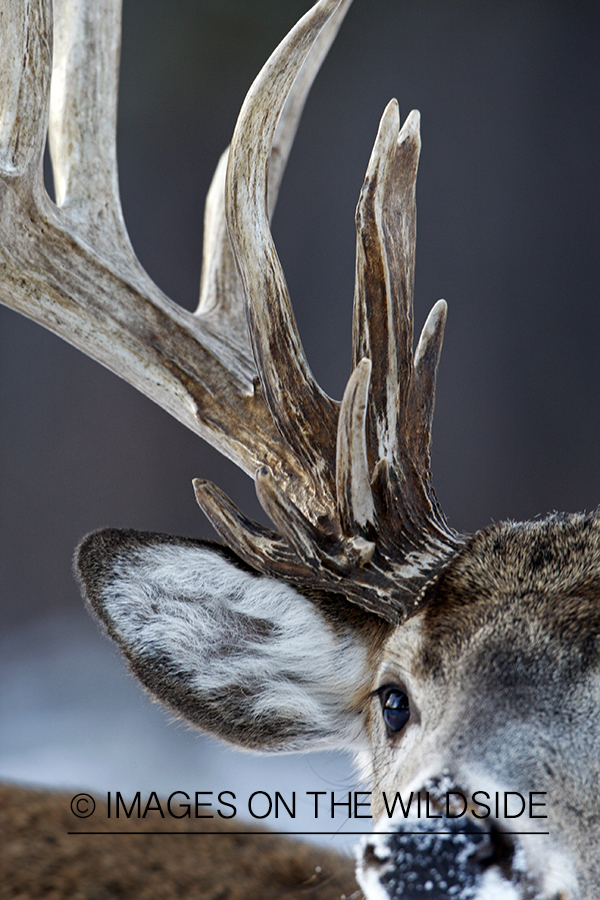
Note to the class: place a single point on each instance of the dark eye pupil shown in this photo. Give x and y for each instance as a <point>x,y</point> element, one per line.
<point>396,711</point>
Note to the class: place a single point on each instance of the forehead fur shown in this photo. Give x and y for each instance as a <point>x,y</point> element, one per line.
<point>537,578</point>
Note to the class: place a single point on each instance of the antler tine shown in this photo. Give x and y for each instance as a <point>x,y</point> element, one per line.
<point>422,395</point>
<point>221,292</point>
<point>304,414</point>
<point>26,58</point>
<point>260,547</point>
<point>294,105</point>
<point>354,496</point>
<point>221,300</point>
<point>383,318</point>
<point>83,123</point>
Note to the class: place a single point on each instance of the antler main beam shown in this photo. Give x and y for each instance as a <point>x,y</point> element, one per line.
<point>346,486</point>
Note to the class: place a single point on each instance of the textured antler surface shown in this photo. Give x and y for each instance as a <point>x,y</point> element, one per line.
<point>367,522</point>
<point>347,485</point>
<point>71,267</point>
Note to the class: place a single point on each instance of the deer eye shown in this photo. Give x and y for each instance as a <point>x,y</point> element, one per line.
<point>395,709</point>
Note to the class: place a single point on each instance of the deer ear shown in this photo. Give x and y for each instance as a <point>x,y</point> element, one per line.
<point>238,654</point>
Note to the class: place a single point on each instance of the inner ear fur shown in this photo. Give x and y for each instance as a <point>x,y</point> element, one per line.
<point>243,656</point>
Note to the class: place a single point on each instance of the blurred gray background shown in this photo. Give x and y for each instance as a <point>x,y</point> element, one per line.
<point>509,213</point>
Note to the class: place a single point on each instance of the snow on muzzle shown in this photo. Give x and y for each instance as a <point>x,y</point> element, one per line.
<point>408,858</point>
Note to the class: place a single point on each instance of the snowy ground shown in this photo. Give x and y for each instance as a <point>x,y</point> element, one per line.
<point>72,717</point>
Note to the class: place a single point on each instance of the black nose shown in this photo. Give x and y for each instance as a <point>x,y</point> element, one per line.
<point>445,859</point>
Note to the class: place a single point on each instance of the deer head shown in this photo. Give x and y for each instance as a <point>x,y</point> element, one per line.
<point>454,666</point>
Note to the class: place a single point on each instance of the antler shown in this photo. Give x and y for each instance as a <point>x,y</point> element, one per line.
<point>71,266</point>
<point>373,529</point>
<point>346,486</point>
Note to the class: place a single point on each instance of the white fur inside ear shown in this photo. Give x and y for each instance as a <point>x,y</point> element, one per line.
<point>223,631</point>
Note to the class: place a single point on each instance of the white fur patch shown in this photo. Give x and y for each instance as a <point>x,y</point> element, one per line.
<point>220,626</point>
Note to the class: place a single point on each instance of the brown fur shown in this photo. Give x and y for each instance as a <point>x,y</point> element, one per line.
<point>542,576</point>
<point>38,858</point>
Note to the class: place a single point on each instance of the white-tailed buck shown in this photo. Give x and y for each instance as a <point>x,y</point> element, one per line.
<point>463,670</point>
